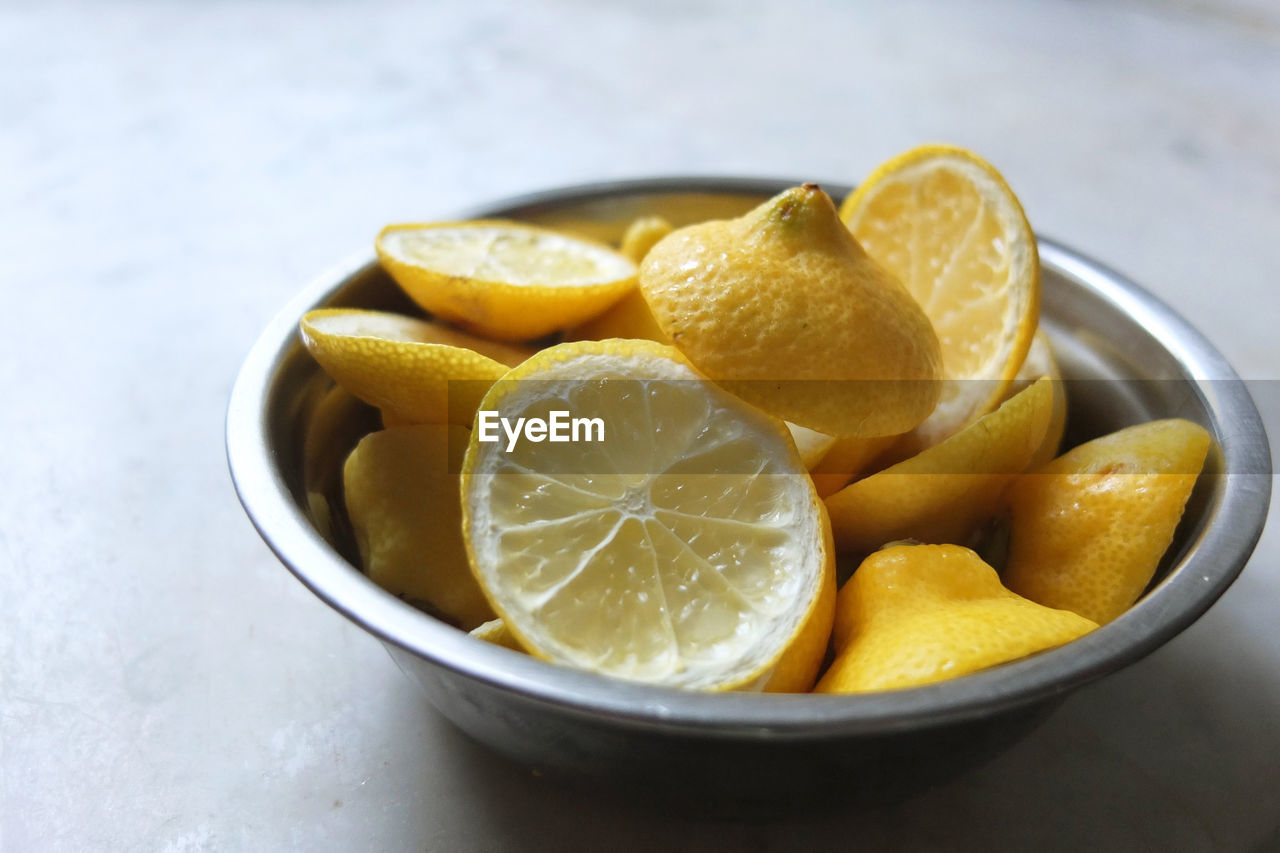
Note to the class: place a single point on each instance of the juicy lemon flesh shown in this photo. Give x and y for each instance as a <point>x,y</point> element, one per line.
<point>507,254</point>
<point>504,280</point>
<point>957,278</point>
<point>945,222</point>
<point>415,371</point>
<point>670,553</point>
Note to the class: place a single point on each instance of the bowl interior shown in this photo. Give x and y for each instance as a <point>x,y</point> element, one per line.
<point>1126,357</point>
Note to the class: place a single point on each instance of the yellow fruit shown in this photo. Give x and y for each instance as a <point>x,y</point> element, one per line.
<point>414,370</point>
<point>642,235</point>
<point>504,280</point>
<point>797,669</point>
<point>919,614</point>
<point>811,444</point>
<point>686,549</point>
<point>783,308</point>
<point>630,316</point>
<point>947,225</point>
<point>1039,363</point>
<point>846,459</point>
<point>335,424</point>
<point>401,489</point>
<point>944,493</point>
<point>1087,530</point>
<point>495,631</point>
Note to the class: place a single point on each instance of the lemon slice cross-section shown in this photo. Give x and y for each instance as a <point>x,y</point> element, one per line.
<point>504,280</point>
<point>946,224</point>
<point>687,548</point>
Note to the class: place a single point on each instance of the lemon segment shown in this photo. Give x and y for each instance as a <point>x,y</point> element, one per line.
<point>944,222</point>
<point>1041,363</point>
<point>1088,529</point>
<point>919,614</point>
<point>405,366</point>
<point>495,631</point>
<point>401,488</point>
<point>942,494</point>
<point>504,280</point>
<point>630,316</point>
<point>811,444</point>
<point>687,549</point>
<point>846,459</point>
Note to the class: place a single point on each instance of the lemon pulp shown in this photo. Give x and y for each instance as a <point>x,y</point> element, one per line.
<point>684,549</point>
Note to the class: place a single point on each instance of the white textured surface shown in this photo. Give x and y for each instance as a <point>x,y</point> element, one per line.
<point>171,173</point>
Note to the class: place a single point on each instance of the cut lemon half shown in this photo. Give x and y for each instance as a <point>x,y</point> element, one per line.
<point>494,631</point>
<point>811,444</point>
<point>401,492</point>
<point>1041,362</point>
<point>504,280</point>
<point>919,614</point>
<point>1088,529</point>
<point>686,549</point>
<point>942,494</point>
<point>946,224</point>
<point>630,316</point>
<point>416,371</point>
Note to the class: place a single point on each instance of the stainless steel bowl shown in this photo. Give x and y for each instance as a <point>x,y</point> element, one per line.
<point>1129,358</point>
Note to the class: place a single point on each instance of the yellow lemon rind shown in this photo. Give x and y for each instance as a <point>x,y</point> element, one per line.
<point>506,309</point>
<point>645,360</point>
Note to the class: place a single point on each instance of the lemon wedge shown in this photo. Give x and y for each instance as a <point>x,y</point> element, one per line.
<point>401,489</point>
<point>918,614</point>
<point>943,493</point>
<point>504,280</point>
<point>1088,529</point>
<point>946,224</point>
<point>416,371</point>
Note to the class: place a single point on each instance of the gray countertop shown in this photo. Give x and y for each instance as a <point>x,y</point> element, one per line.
<point>171,173</point>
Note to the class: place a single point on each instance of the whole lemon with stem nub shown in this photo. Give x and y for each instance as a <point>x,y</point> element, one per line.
<point>784,309</point>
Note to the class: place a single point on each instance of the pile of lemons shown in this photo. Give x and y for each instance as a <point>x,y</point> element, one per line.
<point>768,392</point>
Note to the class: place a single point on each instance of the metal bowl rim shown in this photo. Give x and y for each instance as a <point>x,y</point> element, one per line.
<point>1209,567</point>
